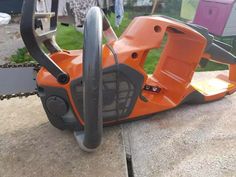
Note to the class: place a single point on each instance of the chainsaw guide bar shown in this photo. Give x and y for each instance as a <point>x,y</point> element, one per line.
<point>19,71</point>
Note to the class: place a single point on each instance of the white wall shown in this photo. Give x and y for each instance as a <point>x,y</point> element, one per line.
<point>230,28</point>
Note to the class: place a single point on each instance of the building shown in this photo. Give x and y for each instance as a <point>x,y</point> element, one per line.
<point>11,6</point>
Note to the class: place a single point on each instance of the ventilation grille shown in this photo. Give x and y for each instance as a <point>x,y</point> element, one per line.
<point>120,92</point>
<point>117,96</point>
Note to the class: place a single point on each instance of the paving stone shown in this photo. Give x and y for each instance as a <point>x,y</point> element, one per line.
<point>31,146</point>
<point>192,140</point>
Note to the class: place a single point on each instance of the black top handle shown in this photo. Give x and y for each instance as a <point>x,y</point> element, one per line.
<point>96,23</point>
<point>33,40</point>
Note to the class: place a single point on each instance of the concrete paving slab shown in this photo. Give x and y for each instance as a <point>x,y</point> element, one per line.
<point>10,41</point>
<point>30,146</point>
<point>192,140</point>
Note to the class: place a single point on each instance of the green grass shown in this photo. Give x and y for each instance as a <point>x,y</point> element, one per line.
<point>68,38</point>
<point>152,60</point>
<point>21,56</point>
<point>212,66</point>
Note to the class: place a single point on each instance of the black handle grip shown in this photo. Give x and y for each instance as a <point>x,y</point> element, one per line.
<point>219,51</point>
<point>220,54</point>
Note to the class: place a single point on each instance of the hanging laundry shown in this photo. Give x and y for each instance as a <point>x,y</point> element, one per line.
<point>80,9</point>
<point>77,8</point>
<point>74,11</point>
<point>119,11</point>
<point>45,6</point>
<point>108,6</point>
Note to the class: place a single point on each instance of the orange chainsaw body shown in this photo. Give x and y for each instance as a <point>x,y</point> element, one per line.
<point>171,82</point>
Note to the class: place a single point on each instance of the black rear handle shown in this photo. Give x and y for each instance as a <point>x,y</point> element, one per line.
<point>219,51</point>
<point>221,55</point>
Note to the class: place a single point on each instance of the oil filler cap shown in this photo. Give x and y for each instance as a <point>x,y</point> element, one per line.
<point>56,106</point>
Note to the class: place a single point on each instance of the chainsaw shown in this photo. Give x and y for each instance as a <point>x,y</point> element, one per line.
<point>106,84</point>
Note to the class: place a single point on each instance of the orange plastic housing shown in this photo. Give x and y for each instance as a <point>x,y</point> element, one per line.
<point>180,57</point>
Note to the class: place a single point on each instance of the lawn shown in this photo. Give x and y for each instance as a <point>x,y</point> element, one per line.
<point>69,38</point>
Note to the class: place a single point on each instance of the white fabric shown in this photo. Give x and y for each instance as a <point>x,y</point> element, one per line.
<point>45,6</point>
<point>4,18</point>
<point>119,11</point>
<point>79,8</point>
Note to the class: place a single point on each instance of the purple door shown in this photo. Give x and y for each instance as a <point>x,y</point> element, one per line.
<point>213,15</point>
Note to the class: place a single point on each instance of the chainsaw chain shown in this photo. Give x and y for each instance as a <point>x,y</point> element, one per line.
<point>36,67</point>
<point>21,65</point>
